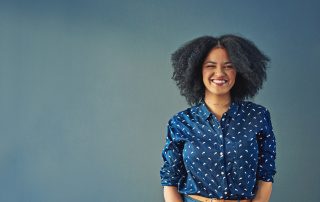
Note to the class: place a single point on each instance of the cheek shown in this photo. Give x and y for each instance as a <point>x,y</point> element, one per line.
<point>233,75</point>
<point>204,74</point>
<point>203,71</point>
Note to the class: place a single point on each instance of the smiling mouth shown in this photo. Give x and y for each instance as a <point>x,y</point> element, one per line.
<point>219,82</point>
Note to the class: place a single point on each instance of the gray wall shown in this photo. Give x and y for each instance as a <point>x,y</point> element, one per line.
<point>86,92</point>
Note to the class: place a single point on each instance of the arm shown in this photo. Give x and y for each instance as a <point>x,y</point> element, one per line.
<point>171,194</point>
<point>264,191</point>
<point>173,168</point>
<point>266,166</point>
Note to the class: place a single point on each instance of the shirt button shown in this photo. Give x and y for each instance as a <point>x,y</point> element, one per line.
<point>222,173</point>
<point>220,136</point>
<point>221,153</point>
<point>225,192</point>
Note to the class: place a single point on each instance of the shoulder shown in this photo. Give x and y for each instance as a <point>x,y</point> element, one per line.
<point>184,115</point>
<point>252,107</point>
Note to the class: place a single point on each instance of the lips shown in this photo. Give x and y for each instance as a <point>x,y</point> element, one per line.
<point>219,81</point>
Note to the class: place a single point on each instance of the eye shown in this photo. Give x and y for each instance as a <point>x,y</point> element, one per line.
<point>210,66</point>
<point>228,66</point>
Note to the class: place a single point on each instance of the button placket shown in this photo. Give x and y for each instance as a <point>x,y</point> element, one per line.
<point>222,154</point>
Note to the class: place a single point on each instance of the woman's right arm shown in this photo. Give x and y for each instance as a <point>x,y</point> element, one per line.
<point>173,168</point>
<point>171,194</point>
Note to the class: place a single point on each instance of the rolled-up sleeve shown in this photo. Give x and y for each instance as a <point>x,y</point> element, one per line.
<point>267,150</point>
<point>173,168</point>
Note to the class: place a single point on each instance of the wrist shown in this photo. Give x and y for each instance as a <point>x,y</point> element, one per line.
<point>259,200</point>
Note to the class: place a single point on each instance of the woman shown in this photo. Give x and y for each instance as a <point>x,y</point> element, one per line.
<point>222,148</point>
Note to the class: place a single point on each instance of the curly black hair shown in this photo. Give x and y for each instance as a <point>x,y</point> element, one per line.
<point>249,62</point>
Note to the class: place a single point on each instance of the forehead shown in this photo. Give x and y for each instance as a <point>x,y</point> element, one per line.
<point>217,54</point>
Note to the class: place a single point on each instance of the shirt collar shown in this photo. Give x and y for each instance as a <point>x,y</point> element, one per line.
<point>232,110</point>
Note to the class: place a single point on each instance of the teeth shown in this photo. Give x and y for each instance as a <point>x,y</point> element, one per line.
<point>218,81</point>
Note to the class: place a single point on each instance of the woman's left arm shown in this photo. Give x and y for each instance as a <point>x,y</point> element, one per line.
<point>266,166</point>
<point>264,191</point>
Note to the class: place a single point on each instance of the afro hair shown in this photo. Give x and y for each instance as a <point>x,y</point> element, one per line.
<point>249,62</point>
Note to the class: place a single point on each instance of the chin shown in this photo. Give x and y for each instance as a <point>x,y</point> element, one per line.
<point>220,93</point>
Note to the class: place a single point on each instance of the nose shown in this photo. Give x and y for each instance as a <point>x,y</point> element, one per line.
<point>219,70</point>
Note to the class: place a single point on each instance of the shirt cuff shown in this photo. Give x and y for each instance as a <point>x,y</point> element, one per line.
<point>266,178</point>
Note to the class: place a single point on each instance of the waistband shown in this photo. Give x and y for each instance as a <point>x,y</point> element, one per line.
<point>205,199</point>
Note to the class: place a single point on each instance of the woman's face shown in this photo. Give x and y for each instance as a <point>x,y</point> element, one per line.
<point>218,73</point>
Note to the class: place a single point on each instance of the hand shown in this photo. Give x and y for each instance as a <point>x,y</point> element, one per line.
<point>171,194</point>
<point>254,200</point>
<point>264,192</point>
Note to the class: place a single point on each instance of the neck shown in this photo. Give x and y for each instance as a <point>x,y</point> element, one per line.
<point>218,104</point>
<point>220,101</point>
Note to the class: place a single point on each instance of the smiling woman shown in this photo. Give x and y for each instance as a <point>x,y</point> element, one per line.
<point>249,62</point>
<point>222,148</point>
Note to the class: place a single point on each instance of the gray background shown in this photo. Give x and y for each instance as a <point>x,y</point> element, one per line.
<point>86,92</point>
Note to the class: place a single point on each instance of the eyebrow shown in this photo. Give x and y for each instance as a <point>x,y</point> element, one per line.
<point>212,62</point>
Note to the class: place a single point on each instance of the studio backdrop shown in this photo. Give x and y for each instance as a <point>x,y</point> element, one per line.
<point>86,93</point>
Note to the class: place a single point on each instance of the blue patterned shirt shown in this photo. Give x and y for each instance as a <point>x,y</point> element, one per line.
<point>219,159</point>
